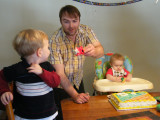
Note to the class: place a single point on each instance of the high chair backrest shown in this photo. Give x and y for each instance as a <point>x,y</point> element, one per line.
<point>102,65</point>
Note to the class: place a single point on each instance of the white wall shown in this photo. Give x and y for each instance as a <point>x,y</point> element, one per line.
<point>132,30</point>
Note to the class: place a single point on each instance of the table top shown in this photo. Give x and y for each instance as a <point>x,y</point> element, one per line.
<point>97,107</point>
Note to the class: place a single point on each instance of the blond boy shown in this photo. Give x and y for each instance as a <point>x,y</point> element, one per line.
<point>33,77</point>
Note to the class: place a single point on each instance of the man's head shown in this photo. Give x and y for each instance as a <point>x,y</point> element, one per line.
<point>71,11</point>
<point>70,19</point>
<point>28,41</point>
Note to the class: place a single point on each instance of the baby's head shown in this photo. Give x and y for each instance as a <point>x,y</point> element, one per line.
<point>28,41</point>
<point>117,61</point>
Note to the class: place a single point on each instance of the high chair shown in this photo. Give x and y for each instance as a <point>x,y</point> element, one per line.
<point>102,85</point>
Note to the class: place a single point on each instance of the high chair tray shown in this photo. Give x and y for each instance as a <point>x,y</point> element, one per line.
<point>136,84</point>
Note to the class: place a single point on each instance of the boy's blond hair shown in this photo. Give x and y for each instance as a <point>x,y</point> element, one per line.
<point>28,41</point>
<point>116,56</point>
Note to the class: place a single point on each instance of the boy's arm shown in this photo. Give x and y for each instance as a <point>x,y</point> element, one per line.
<point>129,77</point>
<point>52,79</point>
<point>109,76</point>
<point>3,84</point>
<point>114,79</point>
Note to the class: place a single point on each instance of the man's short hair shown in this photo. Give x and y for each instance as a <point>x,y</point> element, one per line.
<point>71,10</point>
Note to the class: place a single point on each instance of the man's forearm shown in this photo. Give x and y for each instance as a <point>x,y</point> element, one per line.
<point>67,86</point>
<point>99,51</point>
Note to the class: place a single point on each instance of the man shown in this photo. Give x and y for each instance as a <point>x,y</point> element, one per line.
<point>65,40</point>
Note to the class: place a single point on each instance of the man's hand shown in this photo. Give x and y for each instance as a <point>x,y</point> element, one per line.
<point>94,50</point>
<point>82,98</point>
<point>6,97</point>
<point>35,68</point>
<point>89,50</point>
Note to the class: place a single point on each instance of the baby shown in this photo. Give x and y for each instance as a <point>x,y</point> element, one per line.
<point>117,72</point>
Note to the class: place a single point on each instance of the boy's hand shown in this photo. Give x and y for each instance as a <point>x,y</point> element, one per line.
<point>128,79</point>
<point>118,79</point>
<point>35,68</point>
<point>6,97</point>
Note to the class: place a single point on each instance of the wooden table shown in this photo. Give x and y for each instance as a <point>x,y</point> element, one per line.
<point>97,107</point>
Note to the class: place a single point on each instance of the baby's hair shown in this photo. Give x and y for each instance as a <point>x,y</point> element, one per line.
<point>28,41</point>
<point>116,56</point>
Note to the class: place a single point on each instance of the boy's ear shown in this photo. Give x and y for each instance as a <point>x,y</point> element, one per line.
<point>39,52</point>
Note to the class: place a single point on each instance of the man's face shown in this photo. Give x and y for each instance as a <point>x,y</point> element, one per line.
<point>70,24</point>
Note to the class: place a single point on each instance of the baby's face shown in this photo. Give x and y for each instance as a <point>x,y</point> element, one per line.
<point>117,65</point>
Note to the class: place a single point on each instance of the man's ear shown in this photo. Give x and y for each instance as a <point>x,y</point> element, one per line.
<point>39,52</point>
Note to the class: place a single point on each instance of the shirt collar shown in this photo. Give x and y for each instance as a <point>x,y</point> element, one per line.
<point>25,62</point>
<point>63,33</point>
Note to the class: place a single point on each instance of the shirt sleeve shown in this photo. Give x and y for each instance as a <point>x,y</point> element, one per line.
<point>109,71</point>
<point>3,84</point>
<point>52,79</point>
